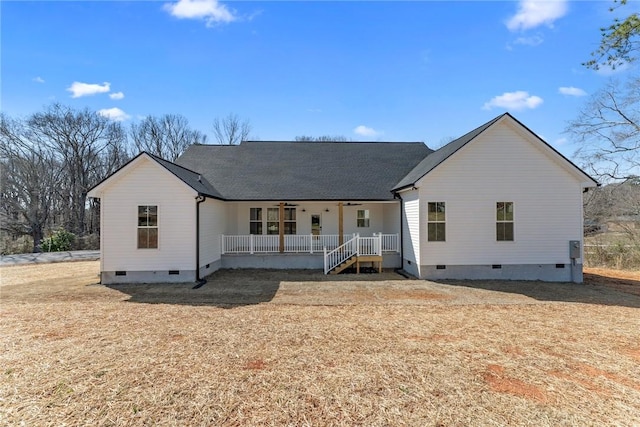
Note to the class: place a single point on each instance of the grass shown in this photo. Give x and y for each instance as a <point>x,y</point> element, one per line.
<point>265,348</point>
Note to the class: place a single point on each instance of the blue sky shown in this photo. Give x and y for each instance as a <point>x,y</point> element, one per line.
<point>388,71</point>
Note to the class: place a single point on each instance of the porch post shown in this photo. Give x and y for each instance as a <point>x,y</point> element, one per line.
<point>281,227</point>
<point>340,225</point>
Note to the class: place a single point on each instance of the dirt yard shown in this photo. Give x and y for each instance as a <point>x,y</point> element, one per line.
<point>300,348</point>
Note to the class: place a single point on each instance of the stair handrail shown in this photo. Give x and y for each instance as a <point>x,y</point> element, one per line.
<point>337,256</point>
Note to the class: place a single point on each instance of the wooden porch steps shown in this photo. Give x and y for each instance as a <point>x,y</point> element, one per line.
<point>357,260</point>
<point>345,264</point>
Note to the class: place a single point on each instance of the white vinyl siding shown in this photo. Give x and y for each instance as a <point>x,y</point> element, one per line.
<point>147,183</point>
<point>503,164</point>
<point>411,232</point>
<point>213,218</point>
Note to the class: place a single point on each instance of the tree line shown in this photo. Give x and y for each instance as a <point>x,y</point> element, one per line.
<point>50,159</point>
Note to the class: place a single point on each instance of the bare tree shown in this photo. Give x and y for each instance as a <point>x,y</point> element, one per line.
<point>80,140</point>
<point>29,177</point>
<point>618,204</point>
<point>231,130</point>
<point>322,138</point>
<point>608,130</point>
<point>165,136</point>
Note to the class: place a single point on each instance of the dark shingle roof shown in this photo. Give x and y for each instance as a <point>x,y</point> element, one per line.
<point>440,155</point>
<point>261,170</point>
<point>192,179</point>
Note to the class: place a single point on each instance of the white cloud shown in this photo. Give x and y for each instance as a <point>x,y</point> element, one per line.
<point>38,79</point>
<point>210,11</point>
<point>571,91</point>
<point>533,13</point>
<point>79,89</point>
<point>518,100</point>
<point>529,41</point>
<point>363,130</point>
<point>116,95</point>
<point>115,114</point>
<point>561,141</point>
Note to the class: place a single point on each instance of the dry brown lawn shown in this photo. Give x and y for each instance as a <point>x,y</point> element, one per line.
<point>299,348</point>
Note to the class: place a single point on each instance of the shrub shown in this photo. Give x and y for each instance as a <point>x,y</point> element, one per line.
<point>20,245</point>
<point>60,240</point>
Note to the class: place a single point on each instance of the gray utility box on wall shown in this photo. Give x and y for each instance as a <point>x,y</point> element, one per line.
<point>574,249</point>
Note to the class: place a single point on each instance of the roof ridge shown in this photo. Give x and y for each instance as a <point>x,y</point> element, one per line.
<point>172,163</point>
<point>334,142</point>
<point>484,125</point>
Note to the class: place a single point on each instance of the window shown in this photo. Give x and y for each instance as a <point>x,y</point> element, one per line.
<point>363,217</point>
<point>255,221</point>
<point>273,220</point>
<point>289,220</point>
<point>436,222</point>
<point>504,221</point>
<point>147,227</point>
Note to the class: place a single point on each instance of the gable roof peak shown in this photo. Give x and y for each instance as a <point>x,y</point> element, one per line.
<point>443,153</point>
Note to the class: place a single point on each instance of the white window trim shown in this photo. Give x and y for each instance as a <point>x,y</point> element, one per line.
<point>446,220</point>
<point>262,221</point>
<point>495,221</point>
<point>135,240</point>
<point>367,218</point>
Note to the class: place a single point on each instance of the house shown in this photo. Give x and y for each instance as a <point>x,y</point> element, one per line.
<point>496,203</point>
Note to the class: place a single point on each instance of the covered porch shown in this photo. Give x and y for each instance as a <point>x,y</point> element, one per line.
<point>311,234</point>
<point>311,252</point>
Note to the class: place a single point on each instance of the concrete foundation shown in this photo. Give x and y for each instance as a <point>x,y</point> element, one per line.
<point>543,272</point>
<point>110,277</point>
<point>291,261</point>
<point>233,261</point>
<point>161,276</point>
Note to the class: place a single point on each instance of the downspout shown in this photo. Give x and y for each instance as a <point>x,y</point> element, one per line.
<point>199,281</point>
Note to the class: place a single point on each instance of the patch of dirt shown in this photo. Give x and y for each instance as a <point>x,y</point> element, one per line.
<point>592,371</point>
<point>633,352</point>
<point>255,364</point>
<point>499,382</point>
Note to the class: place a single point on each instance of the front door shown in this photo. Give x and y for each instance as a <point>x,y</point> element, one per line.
<point>316,224</point>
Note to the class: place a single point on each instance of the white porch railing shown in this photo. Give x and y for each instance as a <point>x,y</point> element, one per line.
<point>369,245</point>
<point>302,243</point>
<point>334,258</point>
<point>358,246</point>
